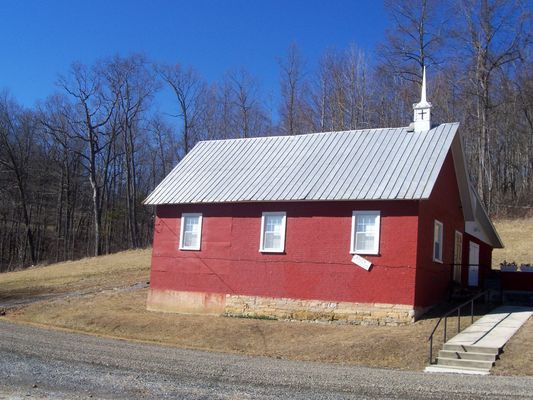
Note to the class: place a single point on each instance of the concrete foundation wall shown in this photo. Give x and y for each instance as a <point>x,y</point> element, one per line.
<point>281,308</point>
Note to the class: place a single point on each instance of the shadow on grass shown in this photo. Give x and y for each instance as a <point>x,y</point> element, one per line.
<point>20,297</point>
<point>480,309</point>
<point>13,294</point>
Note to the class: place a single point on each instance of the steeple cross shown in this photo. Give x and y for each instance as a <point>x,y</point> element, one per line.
<point>422,113</point>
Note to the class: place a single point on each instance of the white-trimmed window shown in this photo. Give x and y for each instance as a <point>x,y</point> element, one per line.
<point>273,232</point>
<point>438,232</point>
<point>365,232</point>
<point>191,231</point>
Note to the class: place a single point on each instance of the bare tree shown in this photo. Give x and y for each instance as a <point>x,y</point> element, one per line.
<point>249,113</point>
<point>165,147</point>
<point>494,34</point>
<point>189,89</point>
<point>227,110</point>
<point>294,110</point>
<point>93,108</point>
<point>416,38</point>
<point>132,85</point>
<point>341,94</point>
<point>17,141</point>
<point>329,92</point>
<point>358,96</point>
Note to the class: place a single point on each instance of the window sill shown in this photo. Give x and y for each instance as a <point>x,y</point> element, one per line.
<point>438,261</point>
<point>272,251</point>
<point>189,248</point>
<point>360,253</point>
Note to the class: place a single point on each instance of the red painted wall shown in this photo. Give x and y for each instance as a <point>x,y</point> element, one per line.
<point>316,263</point>
<point>433,279</point>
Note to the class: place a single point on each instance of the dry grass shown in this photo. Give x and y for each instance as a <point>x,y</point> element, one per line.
<point>517,358</point>
<point>119,269</point>
<point>517,236</point>
<point>124,315</point>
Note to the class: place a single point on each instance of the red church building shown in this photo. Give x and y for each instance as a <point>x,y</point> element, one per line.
<point>366,226</point>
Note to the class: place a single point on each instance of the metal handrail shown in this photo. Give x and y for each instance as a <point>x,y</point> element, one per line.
<point>445,317</point>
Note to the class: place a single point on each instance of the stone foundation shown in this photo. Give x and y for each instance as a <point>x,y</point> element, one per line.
<point>281,308</point>
<point>319,310</point>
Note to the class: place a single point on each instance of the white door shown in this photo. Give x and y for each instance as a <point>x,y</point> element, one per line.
<point>473,267</point>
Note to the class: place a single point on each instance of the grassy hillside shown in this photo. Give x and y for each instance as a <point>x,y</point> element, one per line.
<point>517,236</point>
<point>120,269</point>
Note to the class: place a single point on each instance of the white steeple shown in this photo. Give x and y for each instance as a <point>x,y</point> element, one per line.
<point>422,110</point>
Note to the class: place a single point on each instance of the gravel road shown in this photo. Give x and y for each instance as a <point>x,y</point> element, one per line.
<point>47,364</point>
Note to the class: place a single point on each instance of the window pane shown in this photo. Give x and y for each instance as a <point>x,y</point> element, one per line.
<point>191,223</point>
<point>191,231</point>
<point>366,223</point>
<point>273,232</point>
<point>365,241</point>
<point>187,239</point>
<point>366,232</point>
<point>437,250</point>
<point>276,242</point>
<point>269,240</point>
<point>437,242</point>
<point>273,223</point>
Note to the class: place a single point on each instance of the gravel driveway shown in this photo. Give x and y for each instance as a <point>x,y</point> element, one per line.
<point>39,363</point>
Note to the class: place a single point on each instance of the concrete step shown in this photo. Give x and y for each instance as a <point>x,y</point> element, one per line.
<point>455,370</point>
<point>473,349</point>
<point>467,355</point>
<point>454,362</point>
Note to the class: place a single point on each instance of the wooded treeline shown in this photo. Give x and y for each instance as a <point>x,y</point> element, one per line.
<point>75,168</point>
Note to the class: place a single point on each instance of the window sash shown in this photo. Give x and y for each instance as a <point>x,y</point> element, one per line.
<point>438,232</point>
<point>365,232</point>
<point>273,226</point>
<point>191,231</point>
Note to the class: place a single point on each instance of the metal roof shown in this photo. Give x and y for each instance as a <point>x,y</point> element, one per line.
<point>370,164</point>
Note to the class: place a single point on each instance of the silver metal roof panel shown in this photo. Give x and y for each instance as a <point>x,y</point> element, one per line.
<point>370,164</point>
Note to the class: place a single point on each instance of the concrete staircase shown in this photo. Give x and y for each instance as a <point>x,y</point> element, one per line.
<point>465,359</point>
<point>476,349</point>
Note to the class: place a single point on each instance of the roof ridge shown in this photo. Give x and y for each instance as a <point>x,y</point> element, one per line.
<point>303,134</point>
<point>319,133</point>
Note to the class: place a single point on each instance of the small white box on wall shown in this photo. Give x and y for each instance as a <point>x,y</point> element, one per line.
<point>361,262</point>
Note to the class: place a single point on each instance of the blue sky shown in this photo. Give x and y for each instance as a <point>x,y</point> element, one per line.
<point>40,39</point>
